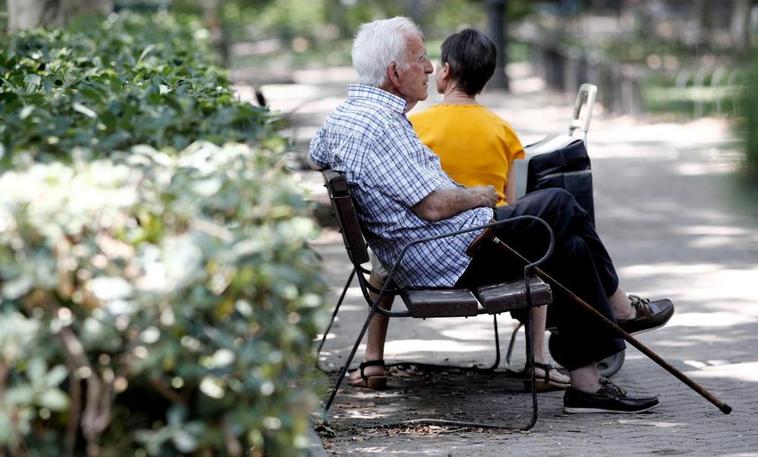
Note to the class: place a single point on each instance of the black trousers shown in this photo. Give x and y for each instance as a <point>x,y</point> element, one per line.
<point>579,261</point>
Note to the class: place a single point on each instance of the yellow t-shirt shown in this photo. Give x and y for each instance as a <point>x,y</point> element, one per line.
<point>476,146</point>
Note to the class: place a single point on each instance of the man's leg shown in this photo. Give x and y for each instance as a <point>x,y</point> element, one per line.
<point>586,379</point>
<point>377,333</point>
<point>621,304</point>
<point>584,339</point>
<point>560,209</point>
<point>586,343</point>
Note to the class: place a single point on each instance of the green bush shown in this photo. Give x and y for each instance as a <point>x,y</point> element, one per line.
<point>323,21</point>
<point>152,302</point>
<point>747,122</point>
<point>109,84</point>
<point>156,305</point>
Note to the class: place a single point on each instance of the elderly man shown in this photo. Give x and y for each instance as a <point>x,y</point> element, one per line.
<point>402,195</point>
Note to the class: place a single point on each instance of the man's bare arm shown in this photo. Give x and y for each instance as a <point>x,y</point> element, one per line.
<point>445,203</point>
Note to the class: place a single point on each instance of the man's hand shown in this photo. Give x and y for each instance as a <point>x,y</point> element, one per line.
<point>445,203</point>
<point>487,195</point>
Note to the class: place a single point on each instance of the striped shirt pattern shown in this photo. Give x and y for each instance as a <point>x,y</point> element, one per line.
<point>389,170</point>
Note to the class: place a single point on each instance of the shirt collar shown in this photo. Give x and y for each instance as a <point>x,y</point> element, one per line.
<point>376,95</point>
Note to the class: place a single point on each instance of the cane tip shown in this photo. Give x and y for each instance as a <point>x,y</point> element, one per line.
<point>726,409</point>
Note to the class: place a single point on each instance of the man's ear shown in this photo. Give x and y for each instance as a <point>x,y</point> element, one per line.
<point>392,74</point>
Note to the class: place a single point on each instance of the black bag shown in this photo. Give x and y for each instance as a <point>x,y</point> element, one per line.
<point>567,167</point>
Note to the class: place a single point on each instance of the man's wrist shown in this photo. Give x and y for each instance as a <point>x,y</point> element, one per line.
<point>483,199</point>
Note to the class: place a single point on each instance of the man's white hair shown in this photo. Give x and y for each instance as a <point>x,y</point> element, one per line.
<point>380,43</point>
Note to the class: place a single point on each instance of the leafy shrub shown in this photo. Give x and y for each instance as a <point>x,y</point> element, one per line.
<point>747,123</point>
<point>108,85</point>
<point>150,308</point>
<point>323,21</point>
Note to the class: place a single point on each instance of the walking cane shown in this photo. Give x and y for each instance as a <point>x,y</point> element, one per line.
<point>726,409</point>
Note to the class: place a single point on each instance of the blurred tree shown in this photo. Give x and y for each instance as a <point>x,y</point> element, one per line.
<point>419,11</point>
<point>703,15</point>
<point>24,14</point>
<point>214,17</point>
<point>336,15</point>
<point>747,121</point>
<point>496,18</point>
<point>740,25</point>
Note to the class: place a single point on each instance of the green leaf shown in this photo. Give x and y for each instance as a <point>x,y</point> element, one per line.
<point>20,395</point>
<point>32,82</point>
<point>53,399</point>
<point>36,370</point>
<point>176,414</point>
<point>25,112</point>
<point>92,94</point>
<point>17,287</point>
<point>78,107</point>
<point>6,428</point>
<point>184,441</point>
<point>145,53</point>
<point>56,375</point>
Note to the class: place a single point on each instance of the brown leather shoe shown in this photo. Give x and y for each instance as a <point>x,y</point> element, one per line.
<point>649,315</point>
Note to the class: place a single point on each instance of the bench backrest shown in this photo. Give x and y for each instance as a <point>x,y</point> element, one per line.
<point>346,215</point>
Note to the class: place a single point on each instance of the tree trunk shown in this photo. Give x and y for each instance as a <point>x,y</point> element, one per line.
<point>418,10</point>
<point>740,26</point>
<point>24,14</point>
<point>702,16</point>
<point>213,11</point>
<point>497,32</point>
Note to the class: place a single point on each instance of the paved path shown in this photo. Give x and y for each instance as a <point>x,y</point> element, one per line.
<point>676,225</point>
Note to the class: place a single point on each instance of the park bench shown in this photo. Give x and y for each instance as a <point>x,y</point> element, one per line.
<point>433,302</point>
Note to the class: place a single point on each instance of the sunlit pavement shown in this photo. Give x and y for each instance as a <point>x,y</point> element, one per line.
<point>676,225</point>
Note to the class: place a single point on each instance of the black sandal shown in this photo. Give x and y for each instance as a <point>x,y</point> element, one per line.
<point>375,382</point>
<point>545,383</point>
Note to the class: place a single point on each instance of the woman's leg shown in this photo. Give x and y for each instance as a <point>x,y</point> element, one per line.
<point>538,317</point>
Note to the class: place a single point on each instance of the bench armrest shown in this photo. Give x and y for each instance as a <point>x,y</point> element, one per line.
<point>527,269</point>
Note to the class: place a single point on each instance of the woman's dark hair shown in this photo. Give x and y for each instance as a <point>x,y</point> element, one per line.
<point>471,56</point>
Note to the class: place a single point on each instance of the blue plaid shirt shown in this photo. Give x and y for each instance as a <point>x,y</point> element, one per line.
<point>389,170</point>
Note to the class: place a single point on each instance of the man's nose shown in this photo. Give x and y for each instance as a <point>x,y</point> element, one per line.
<point>429,67</point>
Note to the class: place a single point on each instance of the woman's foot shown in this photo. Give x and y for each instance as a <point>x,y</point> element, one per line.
<point>369,374</point>
<point>550,378</point>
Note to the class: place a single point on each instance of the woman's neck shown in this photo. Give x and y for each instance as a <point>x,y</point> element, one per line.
<point>457,96</point>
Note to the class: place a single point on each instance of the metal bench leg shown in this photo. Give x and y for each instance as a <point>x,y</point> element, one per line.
<point>334,316</point>
<point>530,368</point>
<point>497,344</point>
